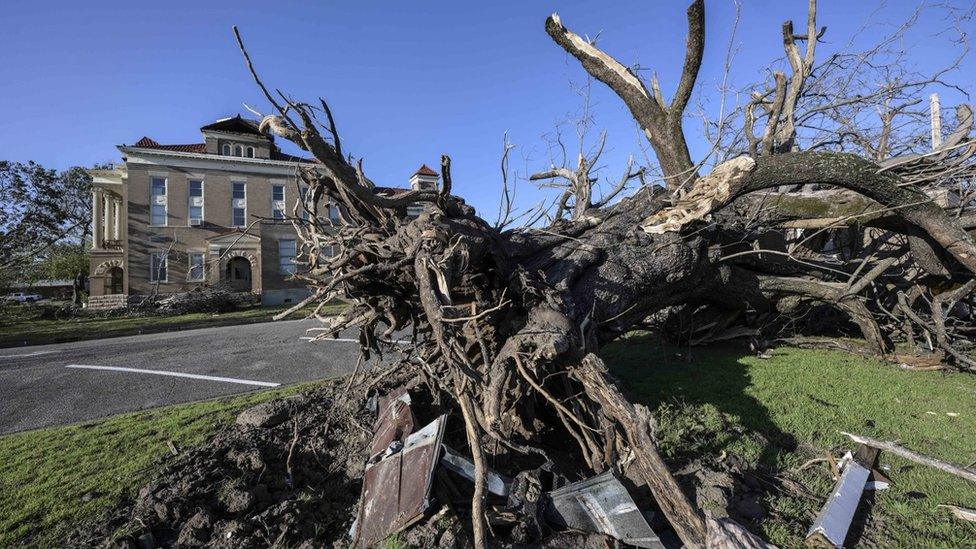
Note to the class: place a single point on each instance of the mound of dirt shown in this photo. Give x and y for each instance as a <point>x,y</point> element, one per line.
<point>293,481</point>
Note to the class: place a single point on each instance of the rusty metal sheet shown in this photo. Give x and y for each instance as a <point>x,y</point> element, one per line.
<point>397,483</point>
<point>393,422</point>
<point>601,504</point>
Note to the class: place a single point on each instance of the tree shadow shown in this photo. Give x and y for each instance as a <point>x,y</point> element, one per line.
<point>654,374</point>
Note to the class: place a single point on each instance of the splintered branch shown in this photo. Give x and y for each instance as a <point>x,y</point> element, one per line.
<point>662,124</point>
<point>257,80</point>
<point>802,67</point>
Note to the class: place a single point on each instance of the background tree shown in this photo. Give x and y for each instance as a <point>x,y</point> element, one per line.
<point>45,218</point>
<point>65,262</point>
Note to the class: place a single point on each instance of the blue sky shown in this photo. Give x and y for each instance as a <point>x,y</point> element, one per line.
<point>408,81</point>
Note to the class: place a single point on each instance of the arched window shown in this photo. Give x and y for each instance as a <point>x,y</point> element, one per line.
<point>238,150</point>
<point>250,152</point>
<point>225,150</point>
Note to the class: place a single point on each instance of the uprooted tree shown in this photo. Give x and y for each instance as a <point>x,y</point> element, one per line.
<point>507,324</point>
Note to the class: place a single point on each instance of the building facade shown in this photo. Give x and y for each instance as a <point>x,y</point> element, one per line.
<point>172,218</point>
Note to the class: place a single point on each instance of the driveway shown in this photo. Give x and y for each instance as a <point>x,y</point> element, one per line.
<point>65,383</point>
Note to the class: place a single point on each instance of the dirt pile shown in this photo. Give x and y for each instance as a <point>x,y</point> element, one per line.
<point>294,481</point>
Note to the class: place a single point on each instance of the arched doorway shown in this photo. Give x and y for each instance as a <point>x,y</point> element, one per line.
<point>114,279</point>
<point>238,274</point>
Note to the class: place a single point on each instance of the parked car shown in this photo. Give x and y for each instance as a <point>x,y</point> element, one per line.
<point>21,297</point>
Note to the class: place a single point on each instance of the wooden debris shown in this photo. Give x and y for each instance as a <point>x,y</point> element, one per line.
<point>950,468</point>
<point>725,533</point>
<point>961,513</point>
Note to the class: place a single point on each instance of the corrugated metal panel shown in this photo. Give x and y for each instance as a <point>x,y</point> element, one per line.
<point>601,504</point>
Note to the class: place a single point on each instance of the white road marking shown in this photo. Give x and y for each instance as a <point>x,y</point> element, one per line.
<point>350,340</point>
<point>35,353</point>
<point>175,374</point>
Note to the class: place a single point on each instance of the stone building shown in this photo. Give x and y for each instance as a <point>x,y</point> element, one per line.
<point>170,218</point>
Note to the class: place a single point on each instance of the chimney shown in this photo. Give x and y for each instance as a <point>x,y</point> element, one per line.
<point>424,179</point>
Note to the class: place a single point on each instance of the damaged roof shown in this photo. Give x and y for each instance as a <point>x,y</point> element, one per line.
<point>235,124</point>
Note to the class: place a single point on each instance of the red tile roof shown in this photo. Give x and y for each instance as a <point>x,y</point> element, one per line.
<point>147,143</point>
<point>424,170</point>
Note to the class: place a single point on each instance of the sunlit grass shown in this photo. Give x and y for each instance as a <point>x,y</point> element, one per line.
<point>779,412</point>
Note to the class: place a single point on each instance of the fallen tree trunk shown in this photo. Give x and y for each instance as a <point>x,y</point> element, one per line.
<point>506,324</point>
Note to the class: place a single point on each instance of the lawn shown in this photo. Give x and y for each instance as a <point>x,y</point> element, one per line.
<point>778,413</point>
<point>775,414</point>
<point>21,325</point>
<point>54,478</point>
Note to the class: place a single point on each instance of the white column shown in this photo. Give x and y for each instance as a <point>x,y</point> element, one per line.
<point>117,217</point>
<point>106,216</point>
<point>96,219</point>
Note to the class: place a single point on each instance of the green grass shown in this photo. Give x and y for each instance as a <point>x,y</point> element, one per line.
<point>20,327</point>
<point>52,479</point>
<point>780,412</point>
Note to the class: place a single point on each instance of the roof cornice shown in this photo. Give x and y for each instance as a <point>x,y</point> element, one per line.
<point>138,155</point>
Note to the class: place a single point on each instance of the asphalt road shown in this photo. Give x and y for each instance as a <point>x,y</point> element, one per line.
<point>66,383</point>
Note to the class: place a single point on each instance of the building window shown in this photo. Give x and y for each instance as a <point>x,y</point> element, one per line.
<point>286,257</point>
<point>239,204</point>
<point>238,151</point>
<point>250,152</point>
<point>157,267</point>
<point>195,207</point>
<point>225,150</point>
<point>196,267</point>
<point>157,214</point>
<point>278,201</point>
<point>333,213</point>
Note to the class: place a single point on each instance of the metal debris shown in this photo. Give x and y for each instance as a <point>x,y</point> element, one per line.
<point>834,520</point>
<point>460,465</point>
<point>877,485</point>
<point>830,528</point>
<point>399,473</point>
<point>394,421</point>
<point>601,504</point>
